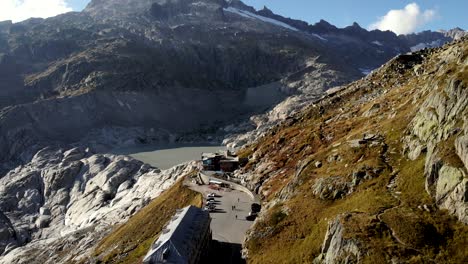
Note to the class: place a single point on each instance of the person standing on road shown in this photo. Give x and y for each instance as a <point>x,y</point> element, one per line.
<point>236,216</point>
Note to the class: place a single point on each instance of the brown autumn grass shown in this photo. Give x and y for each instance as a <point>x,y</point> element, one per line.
<point>130,242</point>
<point>297,237</point>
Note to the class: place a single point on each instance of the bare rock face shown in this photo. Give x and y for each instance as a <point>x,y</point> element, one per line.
<point>456,201</point>
<point>336,248</point>
<point>448,180</point>
<point>8,238</point>
<point>62,192</point>
<point>461,146</point>
<point>455,33</point>
<point>442,118</point>
<point>154,68</point>
<point>337,187</point>
<point>448,185</point>
<point>331,188</point>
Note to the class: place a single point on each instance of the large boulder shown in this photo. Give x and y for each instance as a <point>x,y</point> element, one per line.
<point>448,186</point>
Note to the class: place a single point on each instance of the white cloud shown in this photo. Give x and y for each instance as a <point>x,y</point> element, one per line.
<point>19,10</point>
<point>404,21</point>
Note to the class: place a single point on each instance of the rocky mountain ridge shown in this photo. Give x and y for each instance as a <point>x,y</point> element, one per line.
<point>114,54</point>
<point>143,71</point>
<point>134,72</point>
<point>376,170</point>
<point>455,33</point>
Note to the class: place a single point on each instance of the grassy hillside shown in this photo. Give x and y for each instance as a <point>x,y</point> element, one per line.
<point>346,158</point>
<point>130,242</point>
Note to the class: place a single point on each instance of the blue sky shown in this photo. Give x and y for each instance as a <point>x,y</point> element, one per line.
<point>78,5</point>
<point>430,14</point>
<point>448,13</point>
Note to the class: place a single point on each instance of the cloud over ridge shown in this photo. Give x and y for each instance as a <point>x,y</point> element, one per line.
<point>19,10</point>
<point>404,21</point>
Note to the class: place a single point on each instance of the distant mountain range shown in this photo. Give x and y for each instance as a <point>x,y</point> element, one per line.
<point>124,63</point>
<point>412,42</point>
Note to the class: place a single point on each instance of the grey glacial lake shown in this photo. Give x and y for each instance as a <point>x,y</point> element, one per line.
<point>165,157</point>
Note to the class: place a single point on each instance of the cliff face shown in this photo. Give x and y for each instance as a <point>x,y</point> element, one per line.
<point>127,71</point>
<point>67,200</point>
<point>376,170</point>
<point>173,59</point>
<point>145,64</point>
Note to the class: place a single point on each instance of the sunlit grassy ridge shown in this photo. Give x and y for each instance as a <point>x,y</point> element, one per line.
<point>130,242</point>
<point>403,222</point>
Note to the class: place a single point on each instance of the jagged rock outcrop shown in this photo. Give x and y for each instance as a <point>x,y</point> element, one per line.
<point>333,187</point>
<point>8,235</point>
<point>455,33</point>
<point>451,191</point>
<point>439,122</point>
<point>336,248</point>
<point>337,187</point>
<point>63,192</point>
<point>461,145</point>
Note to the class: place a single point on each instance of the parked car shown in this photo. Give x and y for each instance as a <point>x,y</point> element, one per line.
<point>251,216</point>
<point>212,195</point>
<point>209,208</point>
<point>210,202</point>
<point>256,207</point>
<point>210,199</point>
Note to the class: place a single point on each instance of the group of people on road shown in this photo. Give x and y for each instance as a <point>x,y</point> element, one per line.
<point>233,207</point>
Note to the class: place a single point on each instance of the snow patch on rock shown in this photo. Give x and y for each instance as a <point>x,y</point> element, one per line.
<point>433,44</point>
<point>251,15</point>
<point>365,71</point>
<point>319,37</point>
